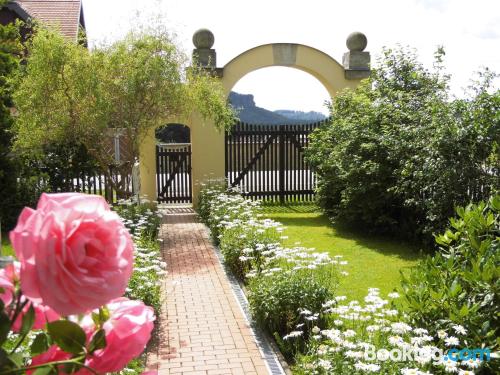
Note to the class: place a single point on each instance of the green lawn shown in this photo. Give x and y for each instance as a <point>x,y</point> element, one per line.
<point>6,247</point>
<point>372,261</point>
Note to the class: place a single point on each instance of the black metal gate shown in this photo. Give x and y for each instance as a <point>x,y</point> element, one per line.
<point>267,161</point>
<point>173,173</point>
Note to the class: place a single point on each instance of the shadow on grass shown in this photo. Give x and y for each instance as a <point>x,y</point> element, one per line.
<point>382,244</point>
<point>291,207</point>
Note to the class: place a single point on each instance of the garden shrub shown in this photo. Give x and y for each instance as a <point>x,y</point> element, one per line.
<point>208,192</point>
<point>360,335</point>
<point>400,153</point>
<point>10,49</point>
<point>244,246</point>
<point>219,207</point>
<point>142,220</point>
<point>53,170</point>
<point>277,301</point>
<point>461,283</point>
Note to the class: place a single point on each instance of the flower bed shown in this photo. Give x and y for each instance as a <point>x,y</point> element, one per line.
<point>291,295</point>
<point>143,222</point>
<point>374,337</point>
<point>281,281</point>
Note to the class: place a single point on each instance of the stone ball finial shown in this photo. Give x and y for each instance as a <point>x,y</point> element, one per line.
<point>203,39</point>
<point>356,41</point>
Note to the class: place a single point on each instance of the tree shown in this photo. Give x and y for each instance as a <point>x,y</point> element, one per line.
<point>399,153</point>
<point>10,48</point>
<point>72,94</point>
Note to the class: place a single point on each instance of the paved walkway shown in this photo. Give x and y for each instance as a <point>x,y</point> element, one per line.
<point>202,328</point>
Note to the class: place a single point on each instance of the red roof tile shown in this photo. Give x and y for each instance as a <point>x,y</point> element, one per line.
<point>62,14</point>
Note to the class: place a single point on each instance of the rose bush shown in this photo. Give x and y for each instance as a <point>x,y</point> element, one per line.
<point>63,298</point>
<point>126,333</point>
<point>75,252</point>
<point>128,330</point>
<point>9,276</point>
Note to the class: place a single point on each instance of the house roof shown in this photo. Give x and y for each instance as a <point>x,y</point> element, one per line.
<point>66,15</point>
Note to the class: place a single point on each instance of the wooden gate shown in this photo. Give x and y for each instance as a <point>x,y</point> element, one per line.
<point>173,173</point>
<point>267,161</point>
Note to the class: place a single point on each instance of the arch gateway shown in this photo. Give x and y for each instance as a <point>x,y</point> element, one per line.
<point>207,143</point>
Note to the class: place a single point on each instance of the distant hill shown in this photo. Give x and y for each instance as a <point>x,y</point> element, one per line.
<point>248,112</point>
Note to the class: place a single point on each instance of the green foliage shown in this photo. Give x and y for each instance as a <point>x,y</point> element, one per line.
<point>246,242</point>
<point>134,85</point>
<point>69,336</point>
<point>461,283</point>
<point>40,344</point>
<point>10,49</point>
<point>54,170</point>
<point>371,337</point>
<point>399,153</point>
<point>142,220</point>
<point>210,190</point>
<point>98,341</point>
<point>241,242</point>
<point>136,366</point>
<point>276,301</point>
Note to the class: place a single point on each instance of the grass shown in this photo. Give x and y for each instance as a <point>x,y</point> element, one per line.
<point>6,247</point>
<point>372,261</point>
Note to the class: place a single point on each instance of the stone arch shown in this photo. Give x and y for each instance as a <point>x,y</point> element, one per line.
<point>208,156</point>
<point>307,59</point>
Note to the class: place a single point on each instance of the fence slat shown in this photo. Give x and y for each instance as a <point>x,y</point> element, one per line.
<point>268,161</point>
<point>173,170</point>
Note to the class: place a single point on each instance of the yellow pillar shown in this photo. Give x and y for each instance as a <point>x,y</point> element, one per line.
<point>147,159</point>
<point>207,147</point>
<point>207,158</point>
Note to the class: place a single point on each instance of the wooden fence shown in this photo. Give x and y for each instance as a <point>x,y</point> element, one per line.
<point>83,182</point>
<point>173,173</point>
<point>267,161</point>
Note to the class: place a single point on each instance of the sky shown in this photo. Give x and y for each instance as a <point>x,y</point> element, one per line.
<point>468,30</point>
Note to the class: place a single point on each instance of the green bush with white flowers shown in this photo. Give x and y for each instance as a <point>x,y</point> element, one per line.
<point>281,281</point>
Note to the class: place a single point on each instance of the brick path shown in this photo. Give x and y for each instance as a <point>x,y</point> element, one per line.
<point>202,328</point>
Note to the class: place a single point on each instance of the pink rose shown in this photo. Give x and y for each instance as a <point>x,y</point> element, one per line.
<point>8,278</point>
<point>53,354</point>
<point>128,330</point>
<point>43,315</point>
<point>76,255</point>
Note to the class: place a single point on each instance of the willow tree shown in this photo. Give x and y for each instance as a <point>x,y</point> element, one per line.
<point>69,94</point>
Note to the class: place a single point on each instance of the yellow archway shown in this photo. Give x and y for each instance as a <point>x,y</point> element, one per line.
<point>308,59</point>
<point>207,143</point>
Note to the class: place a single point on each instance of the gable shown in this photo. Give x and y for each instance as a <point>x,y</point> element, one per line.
<point>65,15</point>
